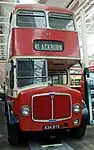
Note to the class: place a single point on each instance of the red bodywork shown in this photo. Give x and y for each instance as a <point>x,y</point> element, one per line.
<point>77,88</point>
<point>22,38</point>
<point>22,42</point>
<point>41,110</point>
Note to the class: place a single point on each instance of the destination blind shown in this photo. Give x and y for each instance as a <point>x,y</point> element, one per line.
<point>43,45</point>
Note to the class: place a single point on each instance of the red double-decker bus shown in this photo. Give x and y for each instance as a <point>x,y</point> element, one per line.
<point>75,77</point>
<point>91,77</point>
<point>42,46</point>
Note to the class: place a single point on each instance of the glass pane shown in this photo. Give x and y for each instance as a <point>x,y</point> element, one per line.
<point>72,82</point>
<point>58,78</point>
<point>72,71</point>
<point>77,81</point>
<point>55,79</point>
<point>24,68</point>
<point>91,75</point>
<point>61,21</point>
<point>24,82</point>
<point>63,79</point>
<point>31,19</point>
<point>31,71</point>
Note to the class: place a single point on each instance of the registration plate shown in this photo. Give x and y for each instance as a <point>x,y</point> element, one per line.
<point>52,127</point>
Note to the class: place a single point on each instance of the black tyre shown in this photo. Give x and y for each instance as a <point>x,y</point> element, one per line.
<point>5,110</point>
<point>78,132</point>
<point>13,134</point>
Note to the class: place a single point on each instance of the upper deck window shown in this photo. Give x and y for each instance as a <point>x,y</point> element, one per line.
<point>61,21</point>
<point>28,18</point>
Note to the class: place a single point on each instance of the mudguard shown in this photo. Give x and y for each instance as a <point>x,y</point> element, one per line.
<point>11,118</point>
<point>85,114</point>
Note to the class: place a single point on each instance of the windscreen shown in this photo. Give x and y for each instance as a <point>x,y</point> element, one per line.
<point>31,71</point>
<point>28,18</point>
<point>61,21</point>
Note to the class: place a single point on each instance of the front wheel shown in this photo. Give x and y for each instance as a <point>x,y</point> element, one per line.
<point>79,132</point>
<point>13,134</point>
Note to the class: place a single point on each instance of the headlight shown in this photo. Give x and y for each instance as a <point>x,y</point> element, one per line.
<point>76,108</point>
<point>25,110</point>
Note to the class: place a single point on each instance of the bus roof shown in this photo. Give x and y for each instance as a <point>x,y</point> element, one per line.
<point>42,7</point>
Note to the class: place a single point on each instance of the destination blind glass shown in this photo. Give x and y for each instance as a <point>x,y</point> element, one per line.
<point>43,45</point>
